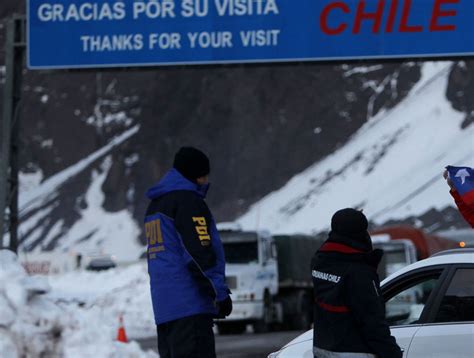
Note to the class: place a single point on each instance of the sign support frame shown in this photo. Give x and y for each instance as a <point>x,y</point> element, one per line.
<point>15,46</point>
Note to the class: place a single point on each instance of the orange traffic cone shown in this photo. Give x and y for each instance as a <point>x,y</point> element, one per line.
<point>121,335</point>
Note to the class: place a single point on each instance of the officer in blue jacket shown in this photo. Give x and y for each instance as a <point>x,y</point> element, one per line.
<point>185,260</point>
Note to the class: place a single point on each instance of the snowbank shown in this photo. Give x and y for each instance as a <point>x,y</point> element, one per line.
<point>121,291</point>
<point>35,324</point>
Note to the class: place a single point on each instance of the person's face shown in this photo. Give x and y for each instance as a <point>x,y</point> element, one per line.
<point>203,180</point>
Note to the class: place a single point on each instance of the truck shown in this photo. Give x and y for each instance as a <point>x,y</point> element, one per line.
<point>425,244</point>
<point>404,245</point>
<point>397,253</point>
<point>270,275</point>
<point>270,280</point>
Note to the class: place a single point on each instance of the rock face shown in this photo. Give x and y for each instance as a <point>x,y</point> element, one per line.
<point>260,125</point>
<point>391,168</point>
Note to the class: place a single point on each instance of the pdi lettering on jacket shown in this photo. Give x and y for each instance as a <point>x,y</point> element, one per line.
<point>154,237</point>
<point>201,229</point>
<point>326,276</point>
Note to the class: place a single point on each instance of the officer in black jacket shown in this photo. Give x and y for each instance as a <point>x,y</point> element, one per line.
<point>349,312</point>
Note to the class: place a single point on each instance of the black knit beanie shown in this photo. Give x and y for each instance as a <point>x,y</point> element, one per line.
<point>350,228</point>
<point>191,163</point>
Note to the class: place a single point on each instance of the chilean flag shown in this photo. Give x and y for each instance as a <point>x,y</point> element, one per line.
<point>463,180</point>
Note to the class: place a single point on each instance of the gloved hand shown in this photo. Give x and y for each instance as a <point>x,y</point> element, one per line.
<point>224,307</point>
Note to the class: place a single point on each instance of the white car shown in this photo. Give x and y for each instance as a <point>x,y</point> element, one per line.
<point>430,308</point>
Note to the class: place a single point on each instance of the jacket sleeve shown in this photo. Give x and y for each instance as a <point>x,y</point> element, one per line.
<point>366,304</point>
<point>193,220</point>
<point>466,211</point>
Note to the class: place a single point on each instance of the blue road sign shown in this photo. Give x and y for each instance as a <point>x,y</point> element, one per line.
<point>109,33</point>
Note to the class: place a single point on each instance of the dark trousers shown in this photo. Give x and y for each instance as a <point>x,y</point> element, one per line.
<point>189,337</point>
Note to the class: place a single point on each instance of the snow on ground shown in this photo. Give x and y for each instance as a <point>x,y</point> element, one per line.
<point>37,323</point>
<point>120,291</point>
<point>392,167</point>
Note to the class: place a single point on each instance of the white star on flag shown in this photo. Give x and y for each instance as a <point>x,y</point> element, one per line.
<point>463,174</point>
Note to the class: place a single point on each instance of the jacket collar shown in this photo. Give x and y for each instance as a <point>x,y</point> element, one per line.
<point>359,241</point>
<point>341,248</point>
<point>348,253</point>
<point>173,181</point>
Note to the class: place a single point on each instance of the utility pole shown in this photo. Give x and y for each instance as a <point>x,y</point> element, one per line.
<point>15,44</point>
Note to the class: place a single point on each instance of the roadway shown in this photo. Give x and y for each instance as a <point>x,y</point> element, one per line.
<point>247,345</point>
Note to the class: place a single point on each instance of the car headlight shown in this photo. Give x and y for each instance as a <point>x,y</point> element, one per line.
<point>273,355</point>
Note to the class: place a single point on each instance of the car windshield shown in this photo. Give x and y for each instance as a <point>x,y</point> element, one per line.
<point>240,248</point>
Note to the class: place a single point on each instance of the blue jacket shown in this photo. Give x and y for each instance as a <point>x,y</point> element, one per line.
<point>185,254</point>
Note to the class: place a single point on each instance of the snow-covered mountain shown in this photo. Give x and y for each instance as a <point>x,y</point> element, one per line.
<point>97,230</point>
<point>391,168</point>
<point>374,135</point>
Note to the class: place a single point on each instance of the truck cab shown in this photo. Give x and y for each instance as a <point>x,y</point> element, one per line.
<point>251,275</point>
<point>397,254</point>
<point>270,279</point>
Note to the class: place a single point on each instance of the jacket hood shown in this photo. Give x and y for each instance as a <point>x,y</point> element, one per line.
<point>174,181</point>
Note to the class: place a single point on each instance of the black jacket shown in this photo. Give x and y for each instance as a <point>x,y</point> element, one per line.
<point>349,311</point>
